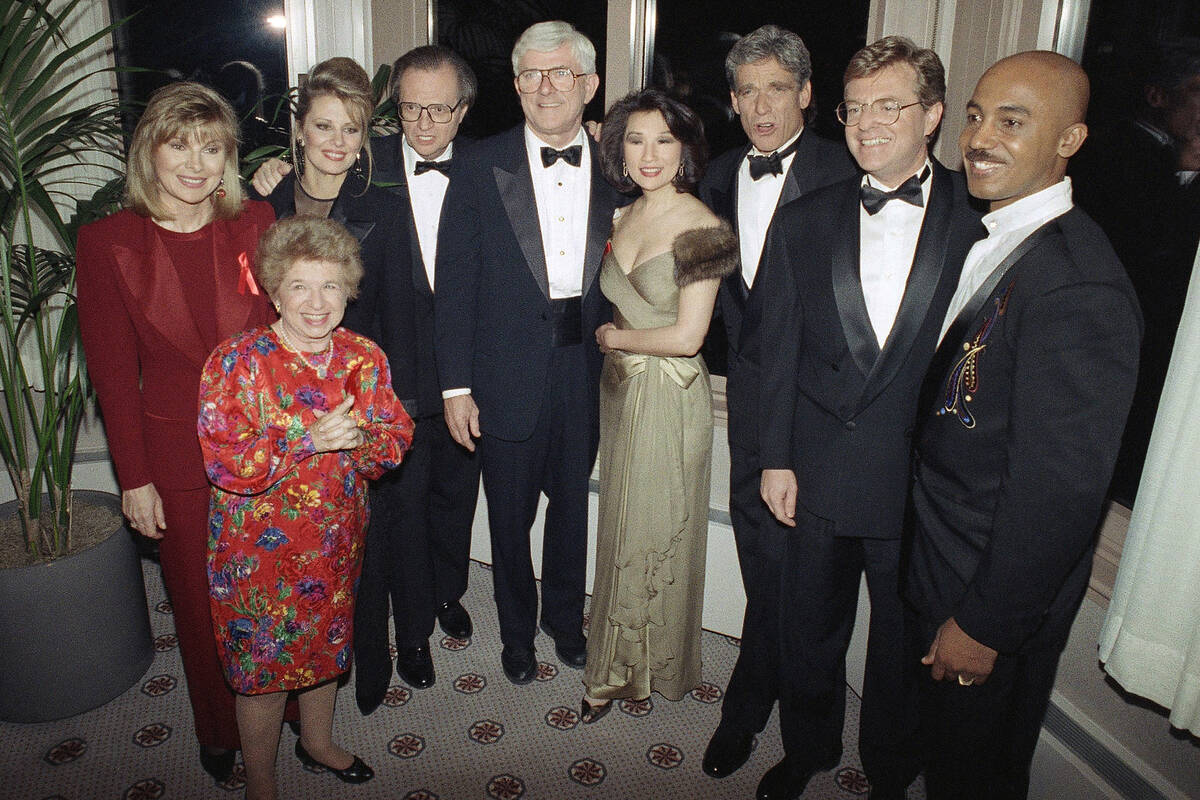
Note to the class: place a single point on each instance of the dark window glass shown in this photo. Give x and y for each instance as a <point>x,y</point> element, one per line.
<point>1136,175</point>
<point>226,44</point>
<point>483,32</point>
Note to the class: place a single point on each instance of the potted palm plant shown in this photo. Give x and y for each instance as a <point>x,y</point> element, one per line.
<point>73,615</point>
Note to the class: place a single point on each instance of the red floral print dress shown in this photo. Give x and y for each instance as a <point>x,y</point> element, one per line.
<point>286,524</point>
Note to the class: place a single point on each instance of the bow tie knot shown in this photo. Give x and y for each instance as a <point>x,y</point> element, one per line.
<point>573,155</point>
<point>424,166</point>
<point>772,164</point>
<point>873,200</point>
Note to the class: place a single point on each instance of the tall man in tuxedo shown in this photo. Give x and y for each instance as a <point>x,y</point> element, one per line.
<point>418,547</point>
<point>857,277</point>
<point>1029,392</point>
<point>769,73</point>
<point>527,217</point>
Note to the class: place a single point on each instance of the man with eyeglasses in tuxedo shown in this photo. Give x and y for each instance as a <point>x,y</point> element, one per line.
<point>527,217</point>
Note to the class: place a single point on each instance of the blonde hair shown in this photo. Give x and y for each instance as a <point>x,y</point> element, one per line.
<point>192,112</point>
<point>305,238</point>
<point>344,79</point>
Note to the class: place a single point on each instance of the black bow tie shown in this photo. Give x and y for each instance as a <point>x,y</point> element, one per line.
<point>572,155</point>
<point>424,166</point>
<point>874,200</point>
<point>772,164</point>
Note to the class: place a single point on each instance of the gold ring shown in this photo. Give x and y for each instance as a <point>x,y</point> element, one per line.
<point>965,681</point>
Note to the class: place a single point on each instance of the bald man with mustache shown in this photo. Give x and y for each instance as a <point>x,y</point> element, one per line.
<point>1022,419</point>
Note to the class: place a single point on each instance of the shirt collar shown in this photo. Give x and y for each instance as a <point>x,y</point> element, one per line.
<point>411,156</point>
<point>534,143</point>
<point>871,180</point>
<point>1038,207</point>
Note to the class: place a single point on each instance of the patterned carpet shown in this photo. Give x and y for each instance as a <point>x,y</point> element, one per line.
<point>472,735</point>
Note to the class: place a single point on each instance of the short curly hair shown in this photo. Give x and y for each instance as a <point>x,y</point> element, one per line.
<point>305,238</point>
<point>683,123</point>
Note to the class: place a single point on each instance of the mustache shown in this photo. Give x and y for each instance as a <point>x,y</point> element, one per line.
<point>979,155</point>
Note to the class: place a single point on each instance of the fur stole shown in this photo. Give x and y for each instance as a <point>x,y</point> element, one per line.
<point>704,253</point>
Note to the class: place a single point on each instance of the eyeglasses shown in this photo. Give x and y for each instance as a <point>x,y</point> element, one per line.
<point>438,112</point>
<point>561,78</point>
<point>886,111</point>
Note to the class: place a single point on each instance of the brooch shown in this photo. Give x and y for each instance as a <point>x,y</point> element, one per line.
<point>963,381</point>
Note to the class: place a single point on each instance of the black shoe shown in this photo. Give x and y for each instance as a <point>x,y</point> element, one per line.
<point>589,713</point>
<point>455,620</point>
<point>726,752</point>
<point>887,792</point>
<point>357,772</point>
<point>414,665</point>
<point>571,653</point>
<point>519,664</point>
<point>786,780</point>
<point>218,763</point>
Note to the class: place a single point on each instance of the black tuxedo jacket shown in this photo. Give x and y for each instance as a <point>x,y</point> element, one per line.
<point>837,409</point>
<point>818,162</point>
<point>403,273</point>
<point>492,318</point>
<point>1010,482</point>
<point>381,224</point>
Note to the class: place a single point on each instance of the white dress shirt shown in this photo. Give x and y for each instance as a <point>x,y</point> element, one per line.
<point>563,194</point>
<point>887,243</point>
<point>1007,227</point>
<point>426,193</point>
<point>756,204</point>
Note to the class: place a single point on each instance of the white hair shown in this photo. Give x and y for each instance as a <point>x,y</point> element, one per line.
<point>546,36</point>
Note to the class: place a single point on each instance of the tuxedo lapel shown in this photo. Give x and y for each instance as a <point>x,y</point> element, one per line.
<point>515,185</point>
<point>847,286</point>
<point>926,272</point>
<point>420,277</point>
<point>600,213</point>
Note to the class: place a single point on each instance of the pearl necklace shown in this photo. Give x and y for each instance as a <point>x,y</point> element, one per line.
<point>321,369</point>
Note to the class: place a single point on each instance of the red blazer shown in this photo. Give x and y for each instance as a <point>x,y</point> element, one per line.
<point>145,350</point>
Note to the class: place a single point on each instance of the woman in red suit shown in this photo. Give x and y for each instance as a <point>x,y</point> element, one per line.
<point>160,284</point>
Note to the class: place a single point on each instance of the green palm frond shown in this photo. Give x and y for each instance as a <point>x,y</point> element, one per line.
<point>44,134</point>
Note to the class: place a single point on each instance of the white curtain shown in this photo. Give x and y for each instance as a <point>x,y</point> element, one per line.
<point>1150,642</point>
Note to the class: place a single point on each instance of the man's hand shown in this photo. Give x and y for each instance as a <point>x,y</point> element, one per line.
<point>144,509</point>
<point>593,128</point>
<point>462,418</point>
<point>268,175</point>
<point>779,490</point>
<point>955,656</point>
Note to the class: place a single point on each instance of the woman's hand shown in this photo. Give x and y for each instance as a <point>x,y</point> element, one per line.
<point>604,337</point>
<point>336,429</point>
<point>144,510</point>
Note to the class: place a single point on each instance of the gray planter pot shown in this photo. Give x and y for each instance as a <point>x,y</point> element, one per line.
<point>74,633</point>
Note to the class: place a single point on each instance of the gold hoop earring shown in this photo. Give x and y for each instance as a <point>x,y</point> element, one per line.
<point>624,169</point>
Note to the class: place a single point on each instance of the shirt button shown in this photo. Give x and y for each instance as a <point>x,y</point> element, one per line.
<point>560,219</point>
<point>560,183</point>
<point>562,252</point>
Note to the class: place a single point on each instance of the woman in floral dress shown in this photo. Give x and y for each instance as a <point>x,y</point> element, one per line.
<point>294,418</point>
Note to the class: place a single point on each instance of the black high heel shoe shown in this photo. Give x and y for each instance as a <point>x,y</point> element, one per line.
<point>358,772</point>
<point>589,713</point>
<point>218,763</point>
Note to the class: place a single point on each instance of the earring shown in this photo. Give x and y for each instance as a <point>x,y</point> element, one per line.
<point>679,172</point>
<point>358,167</point>
<point>220,192</point>
<point>624,169</point>
<point>299,155</point>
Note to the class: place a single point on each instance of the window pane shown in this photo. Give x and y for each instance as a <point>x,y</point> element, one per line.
<point>226,44</point>
<point>1136,176</point>
<point>483,32</point>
